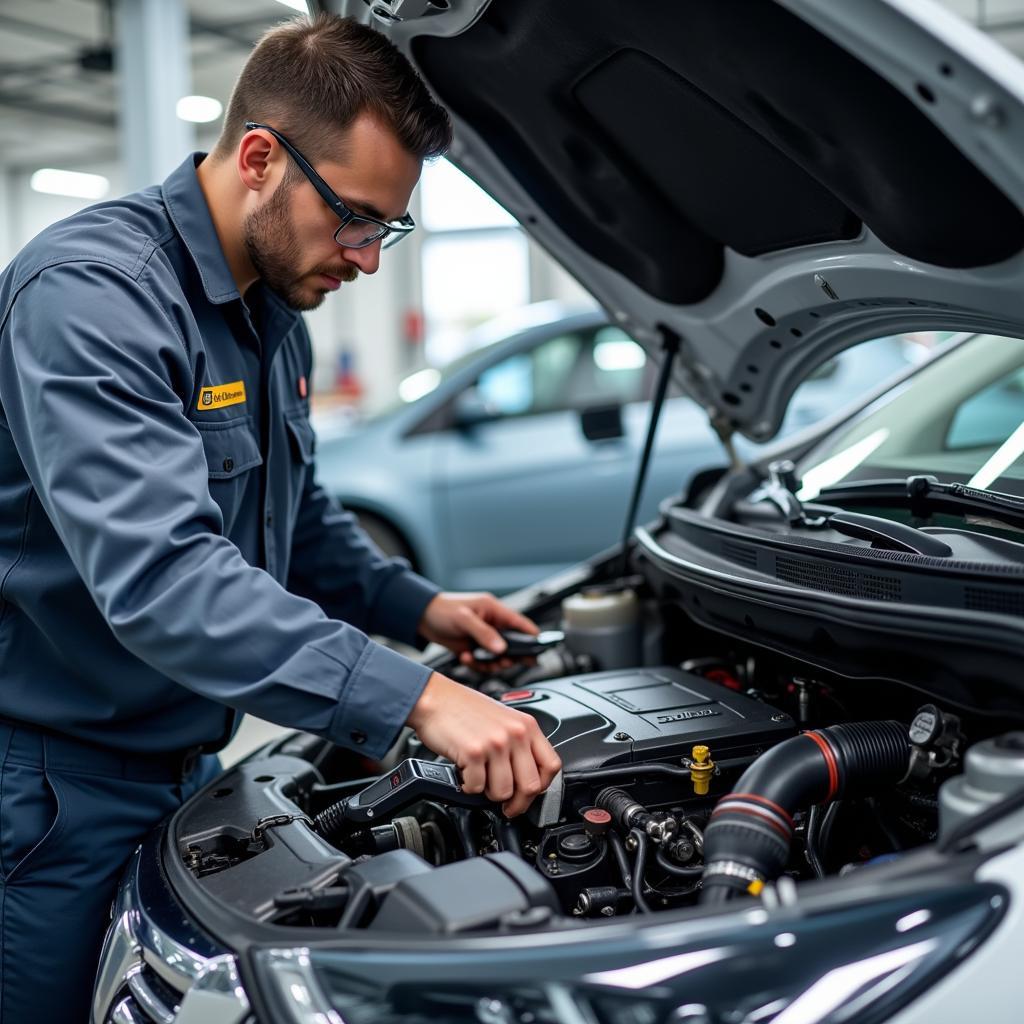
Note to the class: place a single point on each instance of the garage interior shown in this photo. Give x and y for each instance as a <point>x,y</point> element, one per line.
<point>116,92</point>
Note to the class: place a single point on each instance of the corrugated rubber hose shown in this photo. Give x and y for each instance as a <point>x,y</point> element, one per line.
<point>748,839</point>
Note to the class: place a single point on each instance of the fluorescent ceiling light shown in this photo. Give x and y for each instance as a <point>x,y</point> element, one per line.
<point>198,109</point>
<point>69,183</point>
<point>295,5</point>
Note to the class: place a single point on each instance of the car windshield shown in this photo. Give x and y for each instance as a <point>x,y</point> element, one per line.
<point>960,419</point>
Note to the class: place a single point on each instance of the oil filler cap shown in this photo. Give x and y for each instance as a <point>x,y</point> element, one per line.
<point>576,846</point>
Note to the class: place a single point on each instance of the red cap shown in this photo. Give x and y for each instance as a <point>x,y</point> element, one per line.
<point>596,820</point>
<point>514,695</point>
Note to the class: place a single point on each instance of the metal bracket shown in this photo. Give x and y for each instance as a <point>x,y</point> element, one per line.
<point>390,11</point>
<point>273,821</point>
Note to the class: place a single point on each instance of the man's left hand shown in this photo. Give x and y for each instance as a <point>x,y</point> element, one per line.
<point>462,622</point>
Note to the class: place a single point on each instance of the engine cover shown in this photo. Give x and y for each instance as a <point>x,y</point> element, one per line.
<point>648,714</point>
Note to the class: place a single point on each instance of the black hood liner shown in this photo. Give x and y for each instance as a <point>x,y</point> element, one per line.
<point>656,135</point>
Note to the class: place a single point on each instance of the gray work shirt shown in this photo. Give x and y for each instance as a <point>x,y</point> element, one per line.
<point>164,548</point>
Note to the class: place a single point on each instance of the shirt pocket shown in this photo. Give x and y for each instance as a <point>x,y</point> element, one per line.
<point>303,439</point>
<point>232,452</point>
<point>301,446</point>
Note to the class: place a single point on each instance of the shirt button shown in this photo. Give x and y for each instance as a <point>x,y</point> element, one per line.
<point>357,736</point>
<point>229,464</point>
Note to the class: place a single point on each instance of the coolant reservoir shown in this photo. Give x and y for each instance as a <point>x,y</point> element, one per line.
<point>604,626</point>
<point>992,770</point>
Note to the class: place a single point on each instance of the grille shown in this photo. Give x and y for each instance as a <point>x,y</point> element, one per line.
<point>742,554</point>
<point>983,599</point>
<point>146,999</point>
<point>834,579</point>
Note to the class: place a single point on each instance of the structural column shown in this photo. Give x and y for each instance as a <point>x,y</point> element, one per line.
<point>152,60</point>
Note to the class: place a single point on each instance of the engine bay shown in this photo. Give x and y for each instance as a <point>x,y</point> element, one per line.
<point>686,780</point>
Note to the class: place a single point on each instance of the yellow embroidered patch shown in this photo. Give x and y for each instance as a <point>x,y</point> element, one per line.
<point>221,395</point>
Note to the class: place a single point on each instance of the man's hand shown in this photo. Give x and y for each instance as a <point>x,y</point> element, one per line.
<point>500,751</point>
<point>463,621</point>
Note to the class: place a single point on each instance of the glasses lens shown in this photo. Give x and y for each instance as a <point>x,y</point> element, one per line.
<point>358,233</point>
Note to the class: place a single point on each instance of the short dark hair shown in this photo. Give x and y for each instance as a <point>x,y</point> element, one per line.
<point>311,77</point>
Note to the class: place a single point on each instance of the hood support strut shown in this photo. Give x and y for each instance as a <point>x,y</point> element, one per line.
<point>670,342</point>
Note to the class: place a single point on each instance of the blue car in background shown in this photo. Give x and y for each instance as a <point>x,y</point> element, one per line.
<point>478,477</point>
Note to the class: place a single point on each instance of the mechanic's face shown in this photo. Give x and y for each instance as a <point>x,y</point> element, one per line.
<point>290,237</point>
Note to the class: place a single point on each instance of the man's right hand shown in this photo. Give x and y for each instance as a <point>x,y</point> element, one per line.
<point>500,751</point>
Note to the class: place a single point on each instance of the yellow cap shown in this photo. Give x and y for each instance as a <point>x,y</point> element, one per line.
<point>701,769</point>
<point>755,887</point>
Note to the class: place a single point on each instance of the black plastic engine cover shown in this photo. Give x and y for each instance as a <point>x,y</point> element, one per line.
<point>648,714</point>
<point>470,895</point>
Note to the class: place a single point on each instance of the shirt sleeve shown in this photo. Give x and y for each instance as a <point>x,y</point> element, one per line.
<point>336,564</point>
<point>92,370</point>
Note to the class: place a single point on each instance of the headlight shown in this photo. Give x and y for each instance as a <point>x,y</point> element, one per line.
<point>788,966</point>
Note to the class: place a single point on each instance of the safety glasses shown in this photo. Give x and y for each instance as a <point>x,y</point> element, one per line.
<point>357,230</point>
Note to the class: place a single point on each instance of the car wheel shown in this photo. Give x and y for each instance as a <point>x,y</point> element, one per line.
<point>385,536</point>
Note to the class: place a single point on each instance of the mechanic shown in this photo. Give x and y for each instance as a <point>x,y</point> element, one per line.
<point>167,560</point>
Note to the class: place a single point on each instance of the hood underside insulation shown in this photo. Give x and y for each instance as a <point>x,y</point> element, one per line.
<point>655,137</point>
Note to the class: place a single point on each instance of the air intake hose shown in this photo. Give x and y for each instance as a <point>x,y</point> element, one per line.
<point>748,838</point>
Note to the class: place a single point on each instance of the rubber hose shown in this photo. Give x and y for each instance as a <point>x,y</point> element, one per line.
<point>626,771</point>
<point>619,804</point>
<point>619,853</point>
<point>330,820</point>
<point>638,870</point>
<point>679,870</point>
<point>748,838</point>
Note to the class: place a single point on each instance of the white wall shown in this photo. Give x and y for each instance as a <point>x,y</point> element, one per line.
<point>366,317</point>
<point>29,212</point>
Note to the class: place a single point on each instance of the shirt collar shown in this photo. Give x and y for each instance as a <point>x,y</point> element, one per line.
<point>190,215</point>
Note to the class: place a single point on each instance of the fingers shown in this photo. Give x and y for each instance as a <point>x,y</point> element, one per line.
<point>500,751</point>
<point>549,764</point>
<point>527,782</point>
<point>500,778</point>
<point>505,618</point>
<point>480,630</point>
<point>494,667</point>
<point>473,768</point>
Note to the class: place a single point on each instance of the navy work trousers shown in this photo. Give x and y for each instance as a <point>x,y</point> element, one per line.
<point>70,817</point>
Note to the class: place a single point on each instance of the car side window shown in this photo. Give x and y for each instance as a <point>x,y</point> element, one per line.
<point>612,370</point>
<point>532,382</point>
<point>989,417</point>
<point>569,372</point>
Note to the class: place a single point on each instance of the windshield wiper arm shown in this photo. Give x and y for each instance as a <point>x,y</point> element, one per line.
<point>925,495</point>
<point>779,490</point>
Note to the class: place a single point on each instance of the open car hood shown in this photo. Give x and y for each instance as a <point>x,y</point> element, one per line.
<point>771,180</point>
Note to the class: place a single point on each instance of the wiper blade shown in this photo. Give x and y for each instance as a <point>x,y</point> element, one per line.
<point>925,495</point>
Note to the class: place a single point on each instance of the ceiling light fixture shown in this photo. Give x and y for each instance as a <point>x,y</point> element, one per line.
<point>69,183</point>
<point>198,109</point>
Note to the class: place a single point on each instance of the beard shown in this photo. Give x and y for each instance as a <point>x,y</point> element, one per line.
<point>275,252</point>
